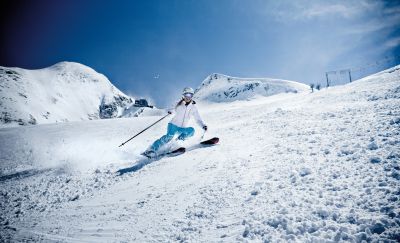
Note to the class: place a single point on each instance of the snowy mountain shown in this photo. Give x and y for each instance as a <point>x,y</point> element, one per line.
<point>223,88</point>
<point>66,91</point>
<point>292,167</point>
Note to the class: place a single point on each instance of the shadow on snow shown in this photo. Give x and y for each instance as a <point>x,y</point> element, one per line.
<point>145,161</point>
<point>25,174</point>
<point>139,165</point>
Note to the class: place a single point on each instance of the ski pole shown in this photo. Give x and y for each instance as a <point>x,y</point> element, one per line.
<point>204,133</point>
<point>143,130</point>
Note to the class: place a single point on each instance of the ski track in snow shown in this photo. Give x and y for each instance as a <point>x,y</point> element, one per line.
<point>291,167</point>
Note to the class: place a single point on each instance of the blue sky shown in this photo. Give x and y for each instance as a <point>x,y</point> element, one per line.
<point>154,48</point>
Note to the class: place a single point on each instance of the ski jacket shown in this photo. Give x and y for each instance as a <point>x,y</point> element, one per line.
<point>184,112</point>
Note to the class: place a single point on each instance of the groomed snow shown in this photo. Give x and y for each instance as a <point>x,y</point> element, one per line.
<point>302,167</point>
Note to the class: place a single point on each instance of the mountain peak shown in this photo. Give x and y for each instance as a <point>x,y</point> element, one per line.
<point>66,91</point>
<point>222,88</point>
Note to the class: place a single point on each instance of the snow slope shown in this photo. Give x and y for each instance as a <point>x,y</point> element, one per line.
<point>66,91</point>
<point>223,88</point>
<point>299,167</point>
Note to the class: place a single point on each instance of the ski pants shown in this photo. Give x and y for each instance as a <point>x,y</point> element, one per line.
<point>183,132</point>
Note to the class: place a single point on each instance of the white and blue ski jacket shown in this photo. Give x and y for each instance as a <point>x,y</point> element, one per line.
<point>184,112</point>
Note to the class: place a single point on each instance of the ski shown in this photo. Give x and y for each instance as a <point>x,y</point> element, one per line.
<point>211,141</point>
<point>205,143</point>
<point>172,153</point>
<point>175,152</point>
<point>181,150</point>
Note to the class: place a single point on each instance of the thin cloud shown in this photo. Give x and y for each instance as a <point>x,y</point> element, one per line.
<point>356,18</point>
<point>285,11</point>
<point>393,42</point>
<point>325,10</point>
<point>374,25</point>
<point>392,10</point>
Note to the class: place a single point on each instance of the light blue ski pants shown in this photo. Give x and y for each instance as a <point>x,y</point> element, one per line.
<point>183,132</point>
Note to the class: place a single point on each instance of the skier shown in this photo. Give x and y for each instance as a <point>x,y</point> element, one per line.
<point>184,110</point>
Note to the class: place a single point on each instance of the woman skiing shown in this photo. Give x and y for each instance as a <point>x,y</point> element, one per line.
<point>184,110</point>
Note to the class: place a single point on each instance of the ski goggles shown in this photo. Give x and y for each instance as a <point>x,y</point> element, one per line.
<point>188,95</point>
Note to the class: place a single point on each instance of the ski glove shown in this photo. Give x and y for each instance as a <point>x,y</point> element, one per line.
<point>205,128</point>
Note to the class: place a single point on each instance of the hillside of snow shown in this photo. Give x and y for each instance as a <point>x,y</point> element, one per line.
<point>63,92</point>
<point>292,167</point>
<point>223,88</point>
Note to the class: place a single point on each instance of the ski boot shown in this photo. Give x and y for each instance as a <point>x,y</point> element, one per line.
<point>149,153</point>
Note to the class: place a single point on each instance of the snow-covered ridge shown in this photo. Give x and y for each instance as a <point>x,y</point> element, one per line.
<point>221,88</point>
<point>66,91</point>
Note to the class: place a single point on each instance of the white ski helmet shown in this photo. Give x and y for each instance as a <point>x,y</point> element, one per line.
<point>188,90</point>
